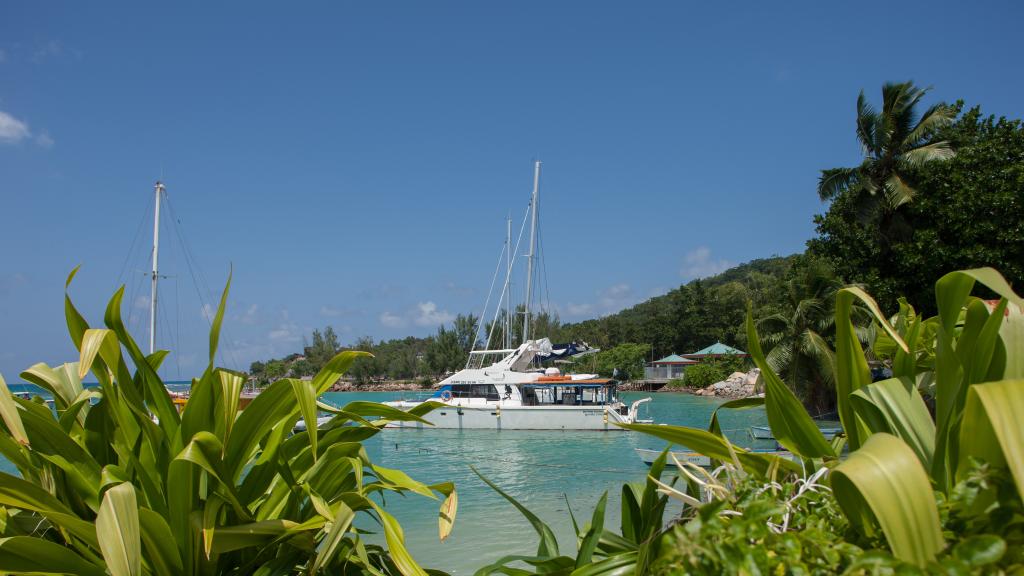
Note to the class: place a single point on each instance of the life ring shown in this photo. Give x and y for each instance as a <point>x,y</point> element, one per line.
<point>446,395</point>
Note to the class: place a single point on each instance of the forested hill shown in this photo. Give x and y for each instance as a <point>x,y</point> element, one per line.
<point>694,315</point>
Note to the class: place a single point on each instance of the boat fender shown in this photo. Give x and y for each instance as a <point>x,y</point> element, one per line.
<point>446,395</point>
<point>605,414</point>
<point>499,411</point>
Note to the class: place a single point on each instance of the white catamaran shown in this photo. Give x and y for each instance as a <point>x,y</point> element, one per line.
<point>508,389</point>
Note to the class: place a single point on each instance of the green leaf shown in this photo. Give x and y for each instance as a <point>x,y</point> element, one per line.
<point>340,522</point>
<point>76,323</point>
<point>396,545</point>
<point>9,412</point>
<point>548,546</point>
<point>884,481</point>
<point>98,342</point>
<point>217,319</point>
<point>23,554</point>
<point>305,397</point>
<point>852,370</point>
<point>791,425</point>
<point>715,447</point>
<point>593,535</point>
<point>980,550</point>
<point>117,529</point>
<point>992,430</point>
<point>249,535</point>
<point>230,391</point>
<point>738,404</point>
<point>365,409</point>
<point>446,517</point>
<point>158,543</point>
<point>396,479</point>
<point>896,407</point>
<point>335,368</point>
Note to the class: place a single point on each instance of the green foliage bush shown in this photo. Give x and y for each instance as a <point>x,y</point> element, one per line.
<point>115,480</point>
<point>712,370</point>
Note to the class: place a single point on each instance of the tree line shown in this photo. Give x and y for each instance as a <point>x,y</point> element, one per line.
<point>939,189</point>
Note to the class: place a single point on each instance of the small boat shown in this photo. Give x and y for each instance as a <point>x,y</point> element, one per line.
<point>649,456</point>
<point>321,421</point>
<point>765,433</point>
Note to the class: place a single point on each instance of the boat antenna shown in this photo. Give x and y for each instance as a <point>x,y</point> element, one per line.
<point>533,246</point>
<point>159,191</point>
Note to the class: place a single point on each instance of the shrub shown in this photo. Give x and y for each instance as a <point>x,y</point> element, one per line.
<point>115,480</point>
<point>914,496</point>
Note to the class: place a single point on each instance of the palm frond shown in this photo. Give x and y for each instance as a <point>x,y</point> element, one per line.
<point>898,192</point>
<point>928,153</point>
<point>934,118</point>
<point>835,181</point>
<point>867,125</point>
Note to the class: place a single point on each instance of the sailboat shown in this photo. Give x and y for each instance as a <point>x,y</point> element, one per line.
<point>507,389</point>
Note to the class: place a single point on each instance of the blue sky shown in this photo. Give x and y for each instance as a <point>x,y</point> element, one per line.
<point>355,162</point>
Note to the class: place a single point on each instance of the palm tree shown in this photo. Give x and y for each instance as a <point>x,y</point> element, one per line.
<point>797,338</point>
<point>894,141</point>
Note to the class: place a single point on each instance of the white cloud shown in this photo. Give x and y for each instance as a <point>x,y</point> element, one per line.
<point>12,130</point>
<point>427,314</point>
<point>332,312</point>
<point>51,48</point>
<point>44,140</point>
<point>250,316</point>
<point>698,263</point>
<point>141,302</point>
<point>611,299</point>
<point>285,332</point>
<point>391,320</point>
<point>579,309</point>
<point>207,312</point>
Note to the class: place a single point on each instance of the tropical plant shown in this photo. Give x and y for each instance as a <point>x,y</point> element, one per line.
<point>894,141</point>
<point>798,337</point>
<point>943,496</point>
<point>115,480</point>
<point>967,214</point>
<point>898,452</point>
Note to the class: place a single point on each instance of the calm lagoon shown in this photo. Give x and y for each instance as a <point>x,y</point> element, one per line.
<point>547,471</point>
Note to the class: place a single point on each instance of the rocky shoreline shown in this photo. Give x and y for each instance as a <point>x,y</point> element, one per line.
<point>387,386</point>
<point>737,385</point>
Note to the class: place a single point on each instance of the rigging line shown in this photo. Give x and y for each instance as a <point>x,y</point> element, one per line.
<point>131,248</point>
<point>193,263</point>
<point>508,280</point>
<point>177,328</point>
<point>487,303</point>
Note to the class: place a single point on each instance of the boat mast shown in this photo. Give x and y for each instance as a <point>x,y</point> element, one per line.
<point>508,279</point>
<point>532,255</point>
<point>159,191</point>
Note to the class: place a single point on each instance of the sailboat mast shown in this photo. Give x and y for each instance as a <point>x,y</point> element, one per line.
<point>533,247</point>
<point>158,190</point>
<point>508,278</point>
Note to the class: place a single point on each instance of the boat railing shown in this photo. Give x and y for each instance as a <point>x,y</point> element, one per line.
<point>418,395</point>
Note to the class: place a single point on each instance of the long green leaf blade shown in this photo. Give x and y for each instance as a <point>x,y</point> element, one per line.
<point>992,429</point>
<point>885,481</point>
<point>791,425</point>
<point>117,529</point>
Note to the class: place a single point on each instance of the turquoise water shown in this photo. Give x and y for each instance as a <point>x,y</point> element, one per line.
<point>542,469</point>
<point>539,468</point>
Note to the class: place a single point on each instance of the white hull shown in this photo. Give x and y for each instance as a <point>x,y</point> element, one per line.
<point>519,418</point>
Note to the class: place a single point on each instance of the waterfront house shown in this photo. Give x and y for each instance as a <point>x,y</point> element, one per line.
<point>668,368</point>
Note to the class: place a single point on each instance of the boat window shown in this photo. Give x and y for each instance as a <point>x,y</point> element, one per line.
<point>487,391</point>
